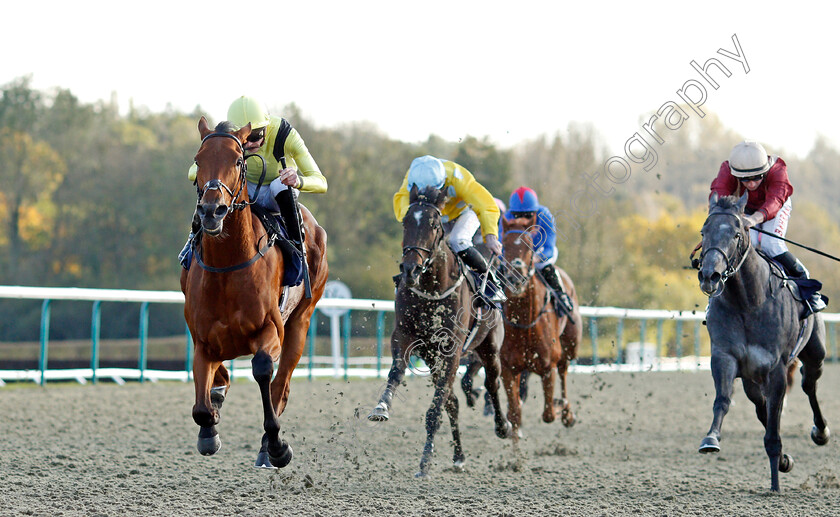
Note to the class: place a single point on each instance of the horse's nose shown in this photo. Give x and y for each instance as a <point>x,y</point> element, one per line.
<point>411,273</point>
<point>709,280</point>
<point>211,215</point>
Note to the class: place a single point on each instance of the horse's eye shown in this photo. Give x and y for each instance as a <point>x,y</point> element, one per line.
<point>239,163</point>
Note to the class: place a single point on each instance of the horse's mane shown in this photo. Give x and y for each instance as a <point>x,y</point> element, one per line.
<point>727,202</point>
<point>225,126</point>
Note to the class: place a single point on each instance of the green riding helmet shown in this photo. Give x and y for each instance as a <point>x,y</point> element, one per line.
<point>248,109</point>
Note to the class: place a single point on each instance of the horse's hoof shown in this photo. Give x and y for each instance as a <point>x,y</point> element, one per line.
<point>379,414</point>
<point>709,444</point>
<point>421,475</point>
<point>458,463</point>
<point>820,438</point>
<point>567,417</point>
<point>785,463</point>
<point>263,462</point>
<point>505,430</point>
<point>209,442</point>
<point>282,459</point>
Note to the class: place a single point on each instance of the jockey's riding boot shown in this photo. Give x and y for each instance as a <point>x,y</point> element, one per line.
<point>291,216</point>
<point>184,257</point>
<point>552,278</point>
<point>795,269</point>
<point>494,294</point>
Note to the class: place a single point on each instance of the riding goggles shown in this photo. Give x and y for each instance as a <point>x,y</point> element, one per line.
<point>517,215</point>
<point>256,135</point>
<point>757,177</point>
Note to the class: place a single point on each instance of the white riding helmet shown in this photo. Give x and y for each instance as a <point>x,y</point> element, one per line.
<point>748,159</point>
<point>426,171</point>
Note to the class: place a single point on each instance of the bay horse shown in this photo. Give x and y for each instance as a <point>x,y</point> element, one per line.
<point>757,329</point>
<point>232,300</point>
<point>537,339</point>
<point>436,321</point>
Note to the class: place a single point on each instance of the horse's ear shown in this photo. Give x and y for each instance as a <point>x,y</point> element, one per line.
<point>243,132</point>
<point>713,199</point>
<point>743,201</point>
<point>412,192</point>
<point>203,128</point>
<point>442,197</point>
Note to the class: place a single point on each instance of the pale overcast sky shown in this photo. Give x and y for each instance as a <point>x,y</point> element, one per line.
<point>507,70</point>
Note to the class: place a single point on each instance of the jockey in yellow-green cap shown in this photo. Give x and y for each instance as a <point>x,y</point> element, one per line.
<point>288,163</point>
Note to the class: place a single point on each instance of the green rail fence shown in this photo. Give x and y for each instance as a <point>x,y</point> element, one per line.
<point>618,338</point>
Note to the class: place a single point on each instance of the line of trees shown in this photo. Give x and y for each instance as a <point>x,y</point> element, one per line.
<point>94,198</point>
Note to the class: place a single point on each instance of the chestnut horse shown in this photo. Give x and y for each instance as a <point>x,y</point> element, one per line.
<point>232,299</point>
<point>537,340</point>
<point>436,320</point>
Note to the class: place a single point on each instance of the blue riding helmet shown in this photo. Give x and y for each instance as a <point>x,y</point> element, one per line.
<point>523,199</point>
<point>426,171</point>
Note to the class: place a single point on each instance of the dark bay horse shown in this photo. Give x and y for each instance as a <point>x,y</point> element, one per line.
<point>537,340</point>
<point>435,319</point>
<point>232,299</point>
<point>757,330</point>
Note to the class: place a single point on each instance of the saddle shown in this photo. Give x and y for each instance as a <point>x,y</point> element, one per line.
<point>275,227</point>
<point>802,289</point>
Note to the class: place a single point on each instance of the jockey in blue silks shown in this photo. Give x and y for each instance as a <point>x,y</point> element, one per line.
<point>524,203</point>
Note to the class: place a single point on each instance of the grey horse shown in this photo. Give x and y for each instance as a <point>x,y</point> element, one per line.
<point>757,328</point>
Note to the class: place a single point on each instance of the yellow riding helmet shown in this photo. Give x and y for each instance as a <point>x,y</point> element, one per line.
<point>248,109</point>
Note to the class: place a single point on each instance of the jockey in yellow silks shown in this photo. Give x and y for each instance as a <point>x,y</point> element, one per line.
<point>469,207</point>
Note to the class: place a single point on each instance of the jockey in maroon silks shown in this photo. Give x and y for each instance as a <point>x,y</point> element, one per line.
<point>765,179</point>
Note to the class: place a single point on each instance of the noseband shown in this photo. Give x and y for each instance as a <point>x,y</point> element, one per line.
<point>430,252</point>
<point>740,248</point>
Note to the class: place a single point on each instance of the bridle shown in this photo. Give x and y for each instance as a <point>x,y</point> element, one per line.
<point>519,282</point>
<point>429,258</point>
<point>742,247</point>
<point>522,281</point>
<point>241,164</point>
<point>430,252</point>
<point>217,184</point>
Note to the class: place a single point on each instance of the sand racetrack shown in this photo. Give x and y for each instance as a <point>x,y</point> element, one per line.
<point>110,450</point>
